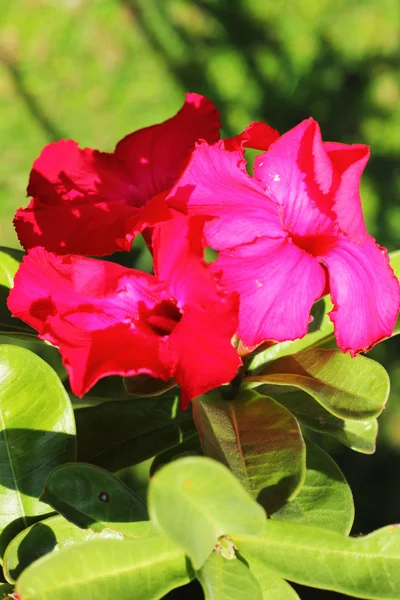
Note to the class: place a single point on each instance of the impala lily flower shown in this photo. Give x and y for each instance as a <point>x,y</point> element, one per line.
<point>93,203</point>
<point>292,233</point>
<point>107,319</point>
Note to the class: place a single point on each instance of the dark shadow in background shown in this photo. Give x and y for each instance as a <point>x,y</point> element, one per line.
<point>33,106</point>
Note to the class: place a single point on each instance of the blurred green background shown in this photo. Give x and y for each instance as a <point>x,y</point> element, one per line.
<point>95,70</point>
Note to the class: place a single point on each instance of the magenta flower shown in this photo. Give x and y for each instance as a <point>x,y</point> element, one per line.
<point>291,234</point>
<point>110,320</point>
<point>93,203</point>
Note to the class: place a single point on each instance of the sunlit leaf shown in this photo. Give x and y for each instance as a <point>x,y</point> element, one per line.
<point>325,500</point>
<point>357,435</point>
<point>37,434</point>
<point>124,569</point>
<point>196,500</point>
<point>350,388</point>
<point>258,439</point>
<point>366,567</point>
<point>223,579</point>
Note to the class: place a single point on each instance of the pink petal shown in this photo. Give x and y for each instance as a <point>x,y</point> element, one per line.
<point>297,172</point>
<point>156,155</point>
<point>365,293</point>
<point>277,283</point>
<point>202,341</point>
<point>178,261</point>
<point>349,163</point>
<point>216,184</point>
<point>257,135</point>
<point>92,311</point>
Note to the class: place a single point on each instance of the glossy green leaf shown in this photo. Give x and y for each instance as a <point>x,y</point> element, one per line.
<point>320,330</point>
<point>325,500</point>
<point>9,263</point>
<point>115,435</point>
<point>196,500</point>
<point>92,497</point>
<point>366,567</point>
<point>223,579</point>
<point>258,439</point>
<point>357,435</point>
<point>124,569</point>
<point>49,535</point>
<point>37,434</point>
<point>273,587</point>
<point>349,388</point>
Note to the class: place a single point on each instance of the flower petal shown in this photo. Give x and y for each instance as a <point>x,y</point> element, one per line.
<point>216,184</point>
<point>277,282</point>
<point>349,163</point>
<point>202,341</point>
<point>85,193</point>
<point>297,172</point>
<point>257,135</point>
<point>155,156</point>
<point>365,293</point>
<point>91,310</point>
<point>178,261</point>
<point>88,227</point>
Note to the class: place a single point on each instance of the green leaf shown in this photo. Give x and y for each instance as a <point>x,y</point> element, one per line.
<point>273,587</point>
<point>223,579</point>
<point>5,588</point>
<point>124,569</point>
<point>191,447</point>
<point>115,435</point>
<point>37,434</point>
<point>258,439</point>
<point>196,500</point>
<point>366,567</point>
<point>91,497</point>
<point>320,330</point>
<point>50,535</point>
<point>349,388</point>
<point>9,263</point>
<point>357,435</point>
<point>325,499</point>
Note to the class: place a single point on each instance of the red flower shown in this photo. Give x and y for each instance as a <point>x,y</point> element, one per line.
<point>292,233</point>
<point>107,319</point>
<point>93,203</point>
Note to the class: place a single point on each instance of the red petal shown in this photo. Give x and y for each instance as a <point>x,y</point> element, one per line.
<point>155,156</point>
<point>207,358</point>
<point>91,310</point>
<point>277,283</point>
<point>349,163</point>
<point>178,261</point>
<point>216,184</point>
<point>365,293</point>
<point>257,135</point>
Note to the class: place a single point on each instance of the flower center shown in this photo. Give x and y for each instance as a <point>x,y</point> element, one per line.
<point>164,317</point>
<point>316,245</point>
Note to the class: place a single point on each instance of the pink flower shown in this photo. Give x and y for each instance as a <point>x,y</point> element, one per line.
<point>93,203</point>
<point>107,319</point>
<point>292,233</point>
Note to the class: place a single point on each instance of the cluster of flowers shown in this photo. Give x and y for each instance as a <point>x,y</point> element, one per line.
<point>285,237</point>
